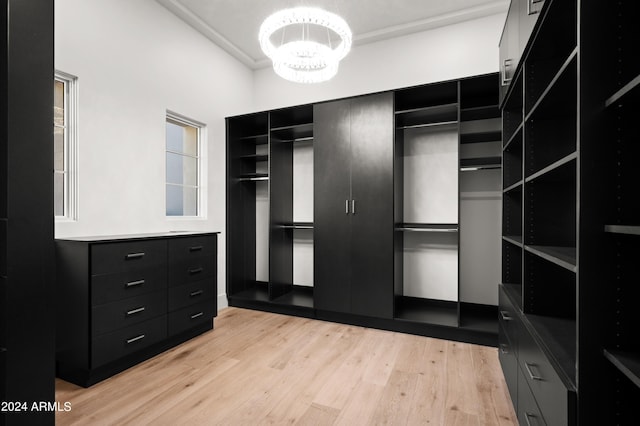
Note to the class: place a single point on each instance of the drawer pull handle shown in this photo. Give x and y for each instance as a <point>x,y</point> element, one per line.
<point>195,271</point>
<point>135,311</point>
<point>505,316</point>
<point>198,315</point>
<point>533,376</point>
<point>134,283</point>
<point>195,293</point>
<point>528,416</point>
<point>195,248</point>
<point>132,256</point>
<point>135,339</point>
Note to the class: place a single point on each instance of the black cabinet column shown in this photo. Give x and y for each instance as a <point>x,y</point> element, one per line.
<point>26,209</point>
<point>372,192</point>
<point>332,223</point>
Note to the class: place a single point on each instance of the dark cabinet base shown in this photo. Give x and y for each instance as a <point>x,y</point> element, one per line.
<point>86,378</point>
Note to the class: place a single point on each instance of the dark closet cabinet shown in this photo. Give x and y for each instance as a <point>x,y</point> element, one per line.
<point>353,217</point>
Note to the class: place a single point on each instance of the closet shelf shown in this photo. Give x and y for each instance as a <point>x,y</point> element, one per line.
<point>561,256</point>
<point>259,139</point>
<point>622,229</point>
<point>293,133</point>
<point>551,88</point>
<point>628,364</point>
<point>483,163</point>
<point>256,157</point>
<point>420,126</point>
<point>427,227</point>
<point>479,137</point>
<point>427,116</point>
<point>480,112</point>
<point>513,137</point>
<point>516,240</point>
<point>253,177</point>
<point>517,185</point>
<point>629,90</point>
<point>571,157</point>
<point>297,225</point>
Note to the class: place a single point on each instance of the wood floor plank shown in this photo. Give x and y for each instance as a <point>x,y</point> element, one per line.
<point>263,368</point>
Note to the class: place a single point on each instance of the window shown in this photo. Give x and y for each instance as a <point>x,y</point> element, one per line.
<point>183,189</point>
<point>64,145</point>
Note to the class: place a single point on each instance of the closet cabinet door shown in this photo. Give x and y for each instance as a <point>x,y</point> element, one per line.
<point>372,192</point>
<point>332,228</point>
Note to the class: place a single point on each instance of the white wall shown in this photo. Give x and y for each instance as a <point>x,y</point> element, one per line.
<point>134,61</point>
<point>455,51</point>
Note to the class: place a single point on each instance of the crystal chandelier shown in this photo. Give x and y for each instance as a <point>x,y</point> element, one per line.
<point>312,56</point>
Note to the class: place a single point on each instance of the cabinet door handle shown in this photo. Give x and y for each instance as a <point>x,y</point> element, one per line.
<point>195,293</point>
<point>132,256</point>
<point>195,271</point>
<point>504,348</point>
<point>353,206</point>
<point>346,206</point>
<point>198,315</point>
<point>135,339</point>
<point>134,283</point>
<point>506,64</point>
<point>528,417</point>
<point>533,376</point>
<point>505,316</point>
<point>530,10</point>
<point>195,248</point>
<point>135,311</point>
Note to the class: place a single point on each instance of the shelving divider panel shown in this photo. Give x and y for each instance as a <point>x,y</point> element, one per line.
<point>627,363</point>
<point>561,256</point>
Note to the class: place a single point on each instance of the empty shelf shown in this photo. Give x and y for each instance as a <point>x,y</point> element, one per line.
<point>427,227</point>
<point>622,229</point>
<point>628,364</point>
<point>630,88</point>
<point>253,177</point>
<point>561,256</point>
<point>484,163</point>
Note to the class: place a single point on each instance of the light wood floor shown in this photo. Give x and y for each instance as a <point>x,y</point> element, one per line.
<point>262,368</point>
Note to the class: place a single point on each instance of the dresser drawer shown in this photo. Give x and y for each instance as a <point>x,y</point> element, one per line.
<point>123,313</point>
<point>192,247</point>
<point>109,258</point>
<point>112,287</point>
<point>191,270</point>
<point>191,316</point>
<point>529,414</point>
<point>553,397</point>
<point>508,318</point>
<point>509,364</point>
<point>112,346</point>
<point>189,294</point>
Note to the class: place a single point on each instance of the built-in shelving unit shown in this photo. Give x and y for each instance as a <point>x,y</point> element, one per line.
<point>618,74</point>
<point>445,247</point>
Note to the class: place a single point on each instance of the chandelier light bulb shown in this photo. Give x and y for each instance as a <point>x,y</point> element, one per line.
<point>305,60</point>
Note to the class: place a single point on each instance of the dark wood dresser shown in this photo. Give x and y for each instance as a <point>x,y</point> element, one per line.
<point>124,299</point>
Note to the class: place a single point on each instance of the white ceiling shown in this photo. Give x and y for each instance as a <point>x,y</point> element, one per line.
<point>234,24</point>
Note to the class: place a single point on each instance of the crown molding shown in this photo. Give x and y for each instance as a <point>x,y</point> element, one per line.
<point>493,8</point>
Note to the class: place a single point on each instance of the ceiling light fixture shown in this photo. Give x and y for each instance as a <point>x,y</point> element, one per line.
<point>311,56</point>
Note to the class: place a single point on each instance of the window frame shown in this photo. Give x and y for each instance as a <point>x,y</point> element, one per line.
<point>181,120</point>
<point>70,147</point>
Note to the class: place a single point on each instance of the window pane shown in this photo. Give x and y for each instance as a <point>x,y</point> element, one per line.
<point>58,194</point>
<point>182,170</point>
<point>182,138</point>
<point>174,137</point>
<point>58,149</point>
<point>190,201</point>
<point>174,200</point>
<point>58,103</point>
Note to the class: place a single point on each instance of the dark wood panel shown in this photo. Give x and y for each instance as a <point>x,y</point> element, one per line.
<point>332,224</point>
<point>280,211</point>
<point>372,154</point>
<point>26,155</point>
